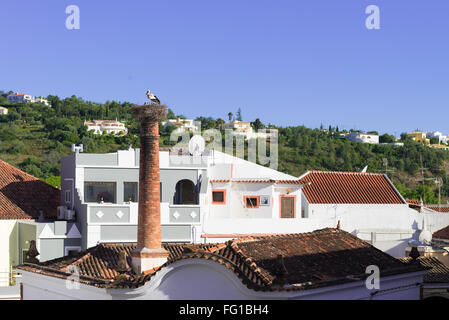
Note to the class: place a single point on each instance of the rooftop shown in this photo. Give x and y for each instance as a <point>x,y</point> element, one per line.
<point>23,196</point>
<point>441,208</point>
<point>439,272</point>
<point>349,188</point>
<point>315,259</point>
<point>441,234</point>
<point>256,180</point>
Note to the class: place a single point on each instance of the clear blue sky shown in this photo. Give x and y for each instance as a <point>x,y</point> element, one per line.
<point>285,62</point>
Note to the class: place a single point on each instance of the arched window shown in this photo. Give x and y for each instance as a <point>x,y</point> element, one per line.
<point>185,192</point>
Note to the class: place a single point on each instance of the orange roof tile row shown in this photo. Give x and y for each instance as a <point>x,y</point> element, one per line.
<point>256,181</point>
<point>349,188</point>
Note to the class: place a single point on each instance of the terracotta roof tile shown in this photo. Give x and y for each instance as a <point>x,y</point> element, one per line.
<point>23,196</point>
<point>441,208</point>
<point>256,180</point>
<point>439,272</point>
<point>314,259</point>
<point>349,188</point>
<point>441,234</point>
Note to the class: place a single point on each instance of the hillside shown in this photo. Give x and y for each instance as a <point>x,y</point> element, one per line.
<point>34,137</point>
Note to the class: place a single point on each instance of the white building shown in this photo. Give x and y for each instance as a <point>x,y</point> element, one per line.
<point>242,128</point>
<point>20,98</point>
<point>183,124</point>
<point>23,97</point>
<point>367,205</point>
<point>216,197</point>
<point>108,126</point>
<point>438,135</point>
<point>363,137</point>
<point>3,111</point>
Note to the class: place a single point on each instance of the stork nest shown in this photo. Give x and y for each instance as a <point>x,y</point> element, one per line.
<point>150,112</point>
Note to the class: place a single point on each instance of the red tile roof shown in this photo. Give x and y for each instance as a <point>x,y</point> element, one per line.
<point>349,188</point>
<point>315,259</point>
<point>441,234</point>
<point>23,196</point>
<point>298,182</point>
<point>438,273</point>
<point>442,208</point>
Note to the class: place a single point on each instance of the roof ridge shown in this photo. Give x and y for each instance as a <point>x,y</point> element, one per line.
<point>345,172</point>
<point>10,166</point>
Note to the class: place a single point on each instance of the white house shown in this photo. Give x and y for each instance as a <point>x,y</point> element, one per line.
<point>438,135</point>
<point>327,264</point>
<point>183,124</point>
<point>367,205</point>
<point>3,111</point>
<point>242,128</point>
<point>23,97</point>
<point>108,126</point>
<point>363,137</point>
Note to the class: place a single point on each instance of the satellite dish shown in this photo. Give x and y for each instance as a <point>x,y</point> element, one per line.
<point>197,145</point>
<point>425,237</point>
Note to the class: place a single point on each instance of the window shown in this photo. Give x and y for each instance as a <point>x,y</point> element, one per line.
<point>99,191</point>
<point>251,201</point>
<point>130,192</point>
<point>218,196</point>
<point>68,196</point>
<point>185,193</point>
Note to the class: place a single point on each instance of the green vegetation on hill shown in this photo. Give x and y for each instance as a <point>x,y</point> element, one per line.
<point>34,137</point>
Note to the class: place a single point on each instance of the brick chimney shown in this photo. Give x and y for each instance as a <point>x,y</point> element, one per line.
<point>149,253</point>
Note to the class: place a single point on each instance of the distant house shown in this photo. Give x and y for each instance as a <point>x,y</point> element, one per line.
<point>245,129</point>
<point>3,111</point>
<point>183,124</point>
<point>419,136</point>
<point>327,264</point>
<point>23,98</point>
<point>20,98</point>
<point>113,127</point>
<point>437,135</point>
<point>363,137</point>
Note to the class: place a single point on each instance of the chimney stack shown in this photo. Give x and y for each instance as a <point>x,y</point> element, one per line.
<point>149,253</point>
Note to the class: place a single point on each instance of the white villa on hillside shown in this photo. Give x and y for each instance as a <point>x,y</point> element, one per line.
<point>183,124</point>
<point>107,126</point>
<point>363,137</point>
<point>23,97</point>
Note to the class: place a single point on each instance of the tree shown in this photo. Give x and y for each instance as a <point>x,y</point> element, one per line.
<point>170,114</point>
<point>257,124</point>
<point>239,114</point>
<point>386,138</point>
<point>230,115</point>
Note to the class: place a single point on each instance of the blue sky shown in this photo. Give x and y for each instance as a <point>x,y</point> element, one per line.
<point>285,62</point>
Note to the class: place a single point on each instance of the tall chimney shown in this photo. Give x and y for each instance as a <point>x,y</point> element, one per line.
<point>149,253</point>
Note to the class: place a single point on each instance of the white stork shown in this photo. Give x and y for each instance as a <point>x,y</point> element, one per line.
<point>152,97</point>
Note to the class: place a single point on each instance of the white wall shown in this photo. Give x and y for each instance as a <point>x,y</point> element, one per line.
<point>6,228</point>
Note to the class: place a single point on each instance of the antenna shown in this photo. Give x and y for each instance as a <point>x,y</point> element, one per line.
<point>77,149</point>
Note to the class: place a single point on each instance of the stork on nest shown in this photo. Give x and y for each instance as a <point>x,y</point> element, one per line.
<point>152,98</point>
